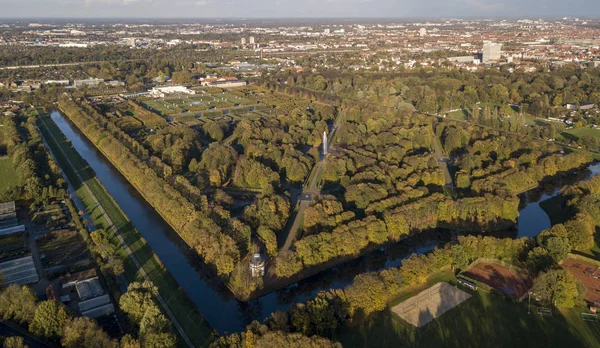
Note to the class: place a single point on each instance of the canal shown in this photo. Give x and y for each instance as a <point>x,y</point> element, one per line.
<point>214,301</point>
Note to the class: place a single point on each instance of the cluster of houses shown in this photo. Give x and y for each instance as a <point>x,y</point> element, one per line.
<point>30,86</point>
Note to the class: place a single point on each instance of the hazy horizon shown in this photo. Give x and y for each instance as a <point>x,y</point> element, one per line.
<point>288,9</point>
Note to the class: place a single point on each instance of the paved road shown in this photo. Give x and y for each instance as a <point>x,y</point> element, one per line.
<point>441,157</point>
<point>311,189</point>
<point>113,228</point>
<point>292,234</point>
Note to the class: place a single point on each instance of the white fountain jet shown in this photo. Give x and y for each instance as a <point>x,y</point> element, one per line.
<point>324,143</point>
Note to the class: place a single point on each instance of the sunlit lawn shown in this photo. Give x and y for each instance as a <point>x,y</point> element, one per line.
<point>8,176</point>
<point>485,320</point>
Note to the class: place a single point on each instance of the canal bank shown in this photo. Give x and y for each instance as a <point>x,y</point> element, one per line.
<point>139,260</point>
<point>216,303</point>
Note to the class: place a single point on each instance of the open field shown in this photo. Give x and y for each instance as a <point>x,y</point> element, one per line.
<point>195,327</point>
<point>8,176</point>
<point>430,304</point>
<point>588,274</point>
<point>508,281</point>
<point>195,103</point>
<point>487,319</point>
<point>583,131</point>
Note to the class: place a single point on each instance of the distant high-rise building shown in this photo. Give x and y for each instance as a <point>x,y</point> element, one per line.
<point>491,51</point>
<point>243,41</point>
<point>422,32</point>
<point>252,40</point>
<point>327,31</point>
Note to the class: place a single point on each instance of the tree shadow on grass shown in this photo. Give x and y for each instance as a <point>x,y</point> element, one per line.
<point>485,320</point>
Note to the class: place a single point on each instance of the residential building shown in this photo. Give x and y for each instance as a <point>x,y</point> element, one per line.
<point>491,52</point>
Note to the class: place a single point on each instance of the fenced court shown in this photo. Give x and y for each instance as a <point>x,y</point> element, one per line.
<point>511,282</point>
<point>430,304</point>
<point>588,274</point>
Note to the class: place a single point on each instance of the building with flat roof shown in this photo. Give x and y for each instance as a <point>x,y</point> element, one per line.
<point>87,82</point>
<point>84,293</point>
<point>491,52</point>
<point>462,59</point>
<point>160,92</point>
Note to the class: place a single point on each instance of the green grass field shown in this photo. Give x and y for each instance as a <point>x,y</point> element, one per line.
<point>194,325</point>
<point>582,131</point>
<point>486,320</point>
<point>201,102</point>
<point>8,176</point>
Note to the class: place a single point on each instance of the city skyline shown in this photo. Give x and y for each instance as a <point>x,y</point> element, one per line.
<point>290,9</point>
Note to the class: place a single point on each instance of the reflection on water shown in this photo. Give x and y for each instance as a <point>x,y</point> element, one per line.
<point>532,218</point>
<point>216,303</point>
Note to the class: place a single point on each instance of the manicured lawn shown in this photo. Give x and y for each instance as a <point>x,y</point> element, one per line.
<point>485,320</point>
<point>8,176</point>
<point>460,115</point>
<point>194,325</point>
<point>582,131</point>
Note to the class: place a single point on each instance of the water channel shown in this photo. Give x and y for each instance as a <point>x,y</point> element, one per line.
<point>214,301</point>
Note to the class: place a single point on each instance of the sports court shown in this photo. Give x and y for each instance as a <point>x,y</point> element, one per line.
<point>430,304</point>
<point>511,282</point>
<point>588,274</point>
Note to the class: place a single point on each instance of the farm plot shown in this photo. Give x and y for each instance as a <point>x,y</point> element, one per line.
<point>62,249</point>
<point>588,274</point>
<point>51,215</point>
<point>430,304</point>
<point>12,247</point>
<point>511,282</point>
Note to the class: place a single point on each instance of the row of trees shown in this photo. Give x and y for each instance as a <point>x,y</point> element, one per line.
<point>53,322</point>
<point>196,227</point>
<point>517,180</point>
<point>477,213</point>
<point>50,320</point>
<point>38,174</point>
<point>444,90</point>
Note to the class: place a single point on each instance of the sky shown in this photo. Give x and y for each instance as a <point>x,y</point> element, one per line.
<point>296,8</point>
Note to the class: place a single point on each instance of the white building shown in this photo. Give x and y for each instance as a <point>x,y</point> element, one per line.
<point>57,82</point>
<point>462,59</point>
<point>243,41</point>
<point>491,51</point>
<point>87,82</point>
<point>252,40</point>
<point>422,32</point>
<point>160,92</point>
